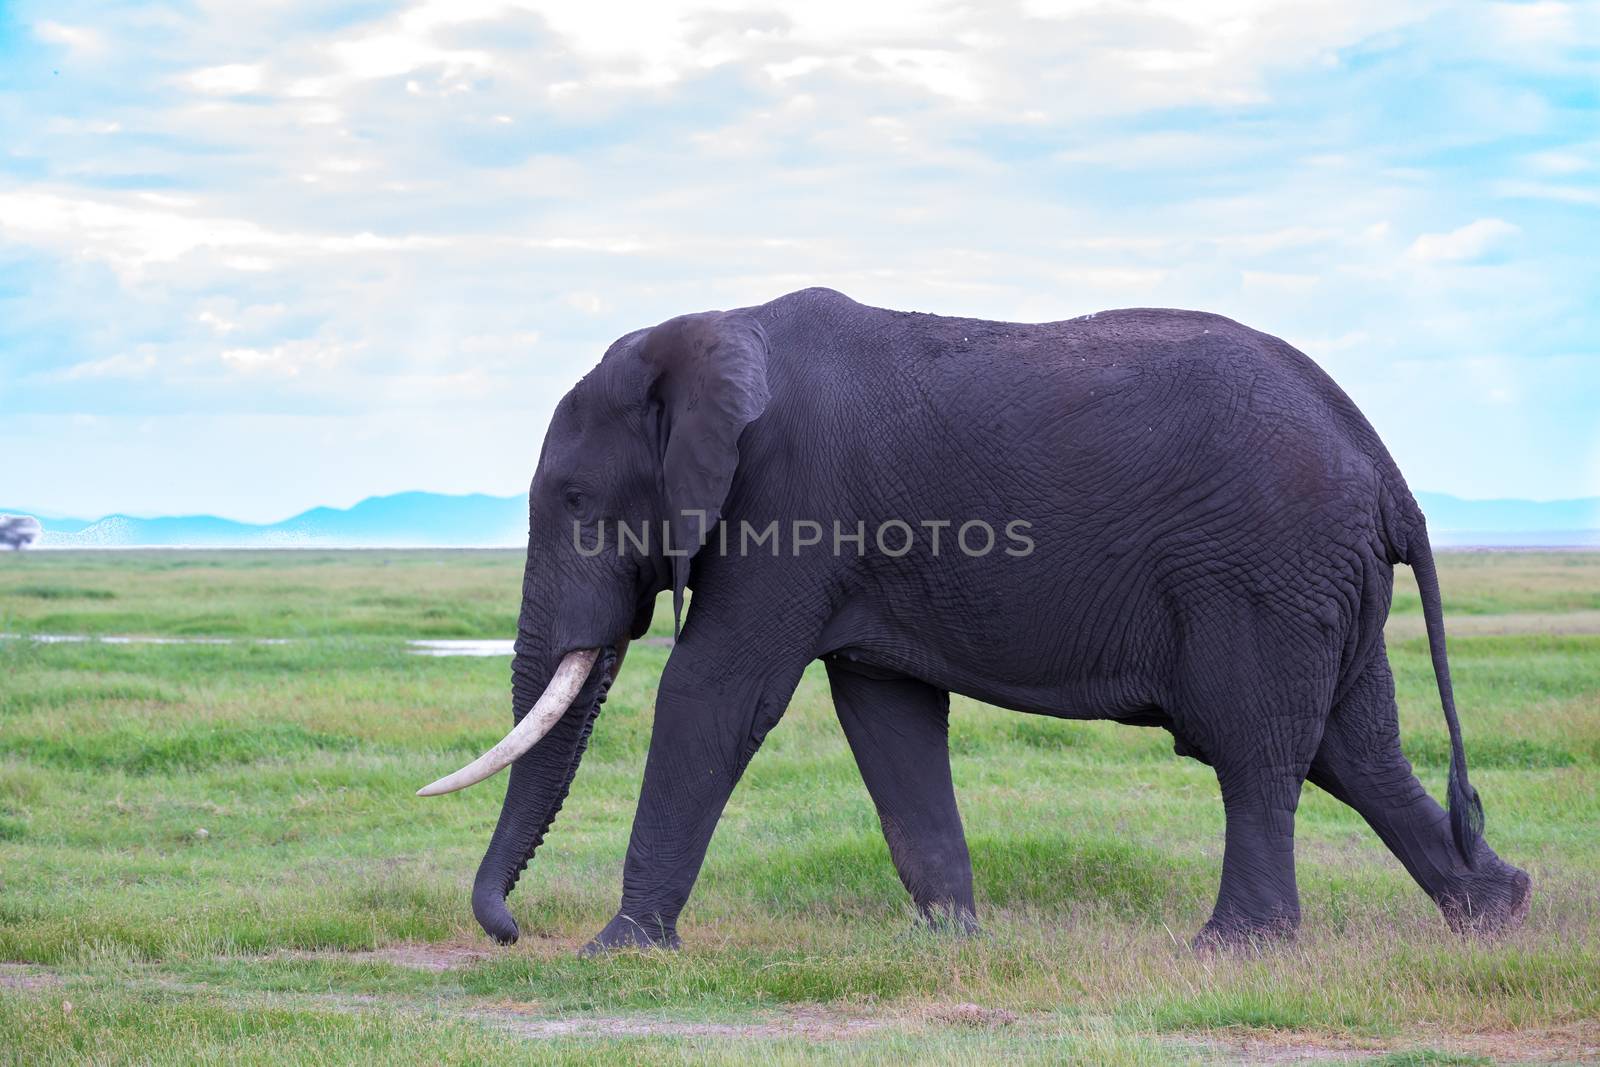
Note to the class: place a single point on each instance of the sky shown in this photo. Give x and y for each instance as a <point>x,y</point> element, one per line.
<point>256,257</point>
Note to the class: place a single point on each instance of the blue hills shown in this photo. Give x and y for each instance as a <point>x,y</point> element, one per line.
<point>437,520</point>
<point>1453,521</point>
<point>404,520</point>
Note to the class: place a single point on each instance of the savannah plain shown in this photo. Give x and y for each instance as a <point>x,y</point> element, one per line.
<point>211,852</point>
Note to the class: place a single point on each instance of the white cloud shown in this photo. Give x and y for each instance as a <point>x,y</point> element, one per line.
<point>1163,53</point>
<point>491,344</point>
<point>1565,194</point>
<point>123,234</point>
<point>939,72</point>
<point>1130,279</point>
<point>229,80</point>
<point>1473,241</point>
<point>1542,21</point>
<point>132,237</point>
<point>216,322</point>
<point>451,209</point>
<point>616,246</point>
<point>289,358</point>
<point>78,39</point>
<point>1280,282</point>
<point>1561,162</point>
<point>797,67</point>
<point>121,365</point>
<point>403,51</point>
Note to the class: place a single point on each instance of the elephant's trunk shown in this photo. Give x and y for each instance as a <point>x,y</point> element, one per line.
<point>538,785</point>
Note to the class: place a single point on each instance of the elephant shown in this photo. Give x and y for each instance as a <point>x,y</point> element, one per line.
<point>1200,533</point>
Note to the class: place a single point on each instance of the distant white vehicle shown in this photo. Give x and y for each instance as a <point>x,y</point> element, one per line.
<point>19,531</point>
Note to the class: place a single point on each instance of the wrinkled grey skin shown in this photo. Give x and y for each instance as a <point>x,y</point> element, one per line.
<point>18,531</point>
<point>1215,526</point>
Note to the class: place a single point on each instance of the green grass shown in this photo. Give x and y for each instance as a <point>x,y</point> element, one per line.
<point>1499,583</point>
<point>264,594</point>
<point>212,852</point>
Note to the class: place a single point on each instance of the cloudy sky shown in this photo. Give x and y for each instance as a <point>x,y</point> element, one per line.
<point>260,256</point>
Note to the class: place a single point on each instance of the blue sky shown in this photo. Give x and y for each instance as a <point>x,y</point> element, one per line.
<point>256,257</point>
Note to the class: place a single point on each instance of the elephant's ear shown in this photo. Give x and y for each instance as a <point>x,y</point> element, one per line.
<point>710,378</point>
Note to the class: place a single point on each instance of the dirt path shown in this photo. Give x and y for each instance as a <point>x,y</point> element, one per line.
<point>1406,627</point>
<point>1574,1044</point>
<point>1579,1043</point>
<point>27,977</point>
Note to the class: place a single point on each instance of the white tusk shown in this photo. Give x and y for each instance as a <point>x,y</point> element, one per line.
<point>545,713</point>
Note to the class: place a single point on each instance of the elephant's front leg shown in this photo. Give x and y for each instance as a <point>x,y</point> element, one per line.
<point>715,704</point>
<point>897,729</point>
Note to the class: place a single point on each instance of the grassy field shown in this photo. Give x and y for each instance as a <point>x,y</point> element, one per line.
<point>212,852</point>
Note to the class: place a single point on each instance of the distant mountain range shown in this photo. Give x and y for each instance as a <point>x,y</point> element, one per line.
<point>1530,523</point>
<point>436,520</point>
<point>404,520</point>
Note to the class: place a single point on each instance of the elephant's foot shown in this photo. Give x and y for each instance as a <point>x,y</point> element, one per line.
<point>1245,936</point>
<point>1493,899</point>
<point>624,932</point>
<point>948,919</point>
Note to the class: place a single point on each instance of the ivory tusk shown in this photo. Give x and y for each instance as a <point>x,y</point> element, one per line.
<point>545,713</point>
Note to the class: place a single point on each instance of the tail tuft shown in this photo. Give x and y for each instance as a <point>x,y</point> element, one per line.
<point>1466,813</point>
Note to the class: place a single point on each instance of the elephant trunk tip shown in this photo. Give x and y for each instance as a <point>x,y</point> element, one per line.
<point>492,914</point>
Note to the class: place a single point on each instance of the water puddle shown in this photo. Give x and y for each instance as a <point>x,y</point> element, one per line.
<point>85,639</point>
<point>461,647</point>
<point>418,647</point>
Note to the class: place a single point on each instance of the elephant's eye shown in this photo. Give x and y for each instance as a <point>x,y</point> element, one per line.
<point>573,500</point>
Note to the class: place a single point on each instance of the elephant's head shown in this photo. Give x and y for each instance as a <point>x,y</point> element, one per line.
<point>647,440</point>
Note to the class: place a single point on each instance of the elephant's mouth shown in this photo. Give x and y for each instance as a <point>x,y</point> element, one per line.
<point>643,615</point>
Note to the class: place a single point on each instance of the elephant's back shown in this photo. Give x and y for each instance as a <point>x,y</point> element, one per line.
<point>1139,360</point>
<point>1180,387</point>
<point>1185,433</point>
<point>1159,418</point>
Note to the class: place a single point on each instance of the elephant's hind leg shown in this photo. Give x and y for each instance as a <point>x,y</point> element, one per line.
<point>1255,707</point>
<point>1258,899</point>
<point>898,730</point>
<point>1360,762</point>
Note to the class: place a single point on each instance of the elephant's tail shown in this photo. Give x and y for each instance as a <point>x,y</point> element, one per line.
<point>1466,810</point>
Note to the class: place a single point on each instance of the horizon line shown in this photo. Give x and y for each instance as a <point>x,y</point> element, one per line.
<point>51,515</point>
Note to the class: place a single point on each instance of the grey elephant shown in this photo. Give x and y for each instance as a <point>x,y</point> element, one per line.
<point>1189,526</point>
